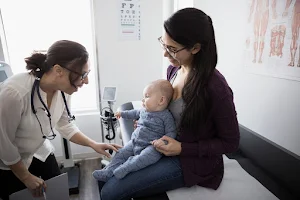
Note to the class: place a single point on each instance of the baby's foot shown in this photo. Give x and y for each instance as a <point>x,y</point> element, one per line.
<point>102,175</point>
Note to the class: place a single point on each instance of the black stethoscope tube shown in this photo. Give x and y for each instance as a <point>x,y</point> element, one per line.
<point>35,86</point>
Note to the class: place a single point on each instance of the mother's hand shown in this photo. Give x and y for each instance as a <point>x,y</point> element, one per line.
<point>168,146</point>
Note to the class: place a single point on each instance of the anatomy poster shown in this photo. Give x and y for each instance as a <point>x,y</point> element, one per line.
<point>129,20</point>
<point>272,40</point>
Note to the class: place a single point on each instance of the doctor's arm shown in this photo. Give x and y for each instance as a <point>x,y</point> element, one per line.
<point>71,132</point>
<point>81,139</point>
<point>10,114</point>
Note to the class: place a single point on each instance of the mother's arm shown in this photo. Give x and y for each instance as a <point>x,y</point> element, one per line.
<point>225,141</point>
<point>227,133</point>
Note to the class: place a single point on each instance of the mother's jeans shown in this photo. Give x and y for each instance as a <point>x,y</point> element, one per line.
<point>164,175</point>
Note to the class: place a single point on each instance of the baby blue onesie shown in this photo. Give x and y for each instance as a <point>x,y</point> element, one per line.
<point>138,152</point>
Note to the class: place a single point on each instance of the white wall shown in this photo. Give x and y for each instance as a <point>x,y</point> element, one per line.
<point>267,105</point>
<point>129,65</point>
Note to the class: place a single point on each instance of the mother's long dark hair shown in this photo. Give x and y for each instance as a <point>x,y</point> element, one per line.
<point>188,27</point>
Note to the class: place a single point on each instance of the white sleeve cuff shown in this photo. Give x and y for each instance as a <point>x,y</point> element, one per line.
<point>68,130</point>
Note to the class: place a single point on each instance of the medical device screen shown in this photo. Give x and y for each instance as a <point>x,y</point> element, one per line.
<point>109,93</point>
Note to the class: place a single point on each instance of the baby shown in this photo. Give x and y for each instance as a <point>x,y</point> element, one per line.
<point>154,121</point>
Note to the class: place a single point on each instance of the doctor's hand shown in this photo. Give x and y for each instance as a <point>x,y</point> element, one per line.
<point>101,147</point>
<point>168,146</point>
<point>35,185</point>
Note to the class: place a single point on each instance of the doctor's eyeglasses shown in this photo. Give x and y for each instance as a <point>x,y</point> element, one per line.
<point>171,50</point>
<point>82,76</point>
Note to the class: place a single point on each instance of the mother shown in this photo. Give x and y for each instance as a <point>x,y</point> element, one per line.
<point>203,109</point>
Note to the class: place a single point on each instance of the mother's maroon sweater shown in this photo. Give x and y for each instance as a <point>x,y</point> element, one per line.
<point>201,155</point>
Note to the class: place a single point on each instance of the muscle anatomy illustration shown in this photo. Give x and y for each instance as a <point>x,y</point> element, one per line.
<point>260,11</point>
<point>278,31</point>
<point>295,34</point>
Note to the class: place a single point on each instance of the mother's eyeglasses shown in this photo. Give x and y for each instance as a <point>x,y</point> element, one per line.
<point>82,76</point>
<point>171,52</point>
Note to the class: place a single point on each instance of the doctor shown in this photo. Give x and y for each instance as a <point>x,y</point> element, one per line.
<point>32,104</point>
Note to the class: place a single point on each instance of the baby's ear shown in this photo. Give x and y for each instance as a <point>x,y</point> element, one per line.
<point>163,100</point>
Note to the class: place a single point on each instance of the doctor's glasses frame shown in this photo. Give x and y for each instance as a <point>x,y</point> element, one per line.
<point>82,76</point>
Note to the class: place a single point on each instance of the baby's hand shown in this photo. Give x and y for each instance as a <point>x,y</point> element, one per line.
<point>158,143</point>
<point>118,115</point>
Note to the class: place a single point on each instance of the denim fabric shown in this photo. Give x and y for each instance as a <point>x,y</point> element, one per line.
<point>164,175</point>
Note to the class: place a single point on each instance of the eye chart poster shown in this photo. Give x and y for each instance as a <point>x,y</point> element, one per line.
<point>129,20</point>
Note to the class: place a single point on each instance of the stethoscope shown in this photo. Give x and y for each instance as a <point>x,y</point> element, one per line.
<point>36,86</point>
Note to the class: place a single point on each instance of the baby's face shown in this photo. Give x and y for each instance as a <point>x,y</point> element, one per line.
<point>152,98</point>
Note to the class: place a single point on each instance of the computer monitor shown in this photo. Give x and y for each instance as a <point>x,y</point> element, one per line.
<point>5,71</point>
<point>109,94</point>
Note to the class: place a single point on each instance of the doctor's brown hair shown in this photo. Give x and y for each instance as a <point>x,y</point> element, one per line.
<point>67,54</point>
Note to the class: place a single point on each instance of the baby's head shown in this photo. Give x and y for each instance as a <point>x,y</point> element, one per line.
<point>157,95</point>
